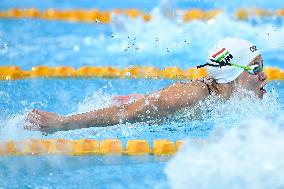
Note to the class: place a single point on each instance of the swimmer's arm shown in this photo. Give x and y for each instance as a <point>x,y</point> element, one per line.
<point>154,106</point>
<point>166,101</point>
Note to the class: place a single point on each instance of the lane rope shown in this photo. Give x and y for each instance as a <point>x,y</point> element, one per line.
<point>105,17</point>
<point>160,147</point>
<point>15,72</point>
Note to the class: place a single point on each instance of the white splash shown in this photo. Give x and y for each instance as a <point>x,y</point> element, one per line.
<point>218,112</point>
<point>163,36</point>
<point>13,128</point>
<point>95,101</point>
<point>247,156</point>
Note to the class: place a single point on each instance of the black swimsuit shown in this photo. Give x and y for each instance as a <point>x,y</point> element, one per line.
<point>208,87</point>
<point>208,81</point>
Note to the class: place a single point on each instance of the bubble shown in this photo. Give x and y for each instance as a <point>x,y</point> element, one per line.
<point>76,48</point>
<point>120,121</point>
<point>157,95</point>
<point>147,102</point>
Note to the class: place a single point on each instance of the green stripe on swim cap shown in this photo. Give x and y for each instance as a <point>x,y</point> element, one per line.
<point>221,57</point>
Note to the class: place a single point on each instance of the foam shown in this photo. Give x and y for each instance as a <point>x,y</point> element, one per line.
<point>174,37</point>
<point>12,128</point>
<point>159,42</point>
<point>94,101</point>
<point>241,152</point>
<point>247,156</point>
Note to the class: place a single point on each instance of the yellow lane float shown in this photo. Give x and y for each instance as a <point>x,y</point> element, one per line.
<point>161,147</point>
<point>105,17</point>
<point>15,72</point>
<point>198,14</point>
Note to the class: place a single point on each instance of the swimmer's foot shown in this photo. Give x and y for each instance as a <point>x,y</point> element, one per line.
<point>124,99</point>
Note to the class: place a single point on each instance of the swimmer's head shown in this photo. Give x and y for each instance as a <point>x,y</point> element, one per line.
<point>233,51</point>
<point>238,60</point>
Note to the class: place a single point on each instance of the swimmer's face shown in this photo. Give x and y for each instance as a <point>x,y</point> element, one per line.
<point>255,83</point>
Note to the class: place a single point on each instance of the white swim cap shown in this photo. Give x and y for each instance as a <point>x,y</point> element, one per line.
<point>230,50</point>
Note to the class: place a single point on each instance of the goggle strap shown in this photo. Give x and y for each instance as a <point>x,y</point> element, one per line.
<point>214,65</point>
<point>244,67</point>
<point>229,64</point>
<point>208,64</point>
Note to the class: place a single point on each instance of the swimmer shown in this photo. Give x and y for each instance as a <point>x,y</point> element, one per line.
<point>233,63</point>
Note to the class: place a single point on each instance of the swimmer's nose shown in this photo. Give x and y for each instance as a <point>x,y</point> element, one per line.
<point>262,76</point>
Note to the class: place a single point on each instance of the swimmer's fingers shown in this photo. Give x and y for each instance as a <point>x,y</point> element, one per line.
<point>33,118</point>
<point>46,122</point>
<point>43,113</point>
<point>32,127</point>
<point>32,115</point>
<point>40,117</point>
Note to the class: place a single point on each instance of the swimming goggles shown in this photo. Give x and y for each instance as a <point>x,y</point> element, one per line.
<point>252,69</point>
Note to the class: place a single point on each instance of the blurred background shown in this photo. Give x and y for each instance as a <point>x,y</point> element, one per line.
<point>157,33</point>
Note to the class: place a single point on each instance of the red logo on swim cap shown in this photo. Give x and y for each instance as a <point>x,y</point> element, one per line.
<point>222,50</point>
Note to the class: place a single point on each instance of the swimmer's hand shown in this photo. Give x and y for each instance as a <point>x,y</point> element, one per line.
<point>46,122</point>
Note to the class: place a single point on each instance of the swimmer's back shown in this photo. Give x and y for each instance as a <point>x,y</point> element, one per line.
<point>183,94</point>
<point>203,87</point>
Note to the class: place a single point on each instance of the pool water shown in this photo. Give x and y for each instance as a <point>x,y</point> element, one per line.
<point>69,96</point>
<point>162,42</point>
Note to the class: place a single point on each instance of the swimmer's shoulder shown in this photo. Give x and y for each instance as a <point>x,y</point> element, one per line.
<point>195,86</point>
